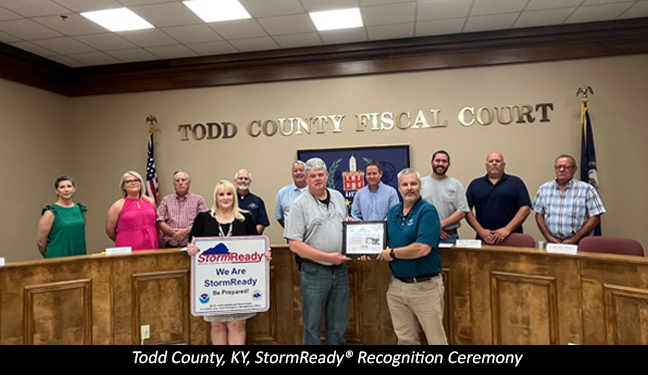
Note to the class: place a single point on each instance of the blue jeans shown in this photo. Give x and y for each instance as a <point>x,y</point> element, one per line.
<point>324,290</point>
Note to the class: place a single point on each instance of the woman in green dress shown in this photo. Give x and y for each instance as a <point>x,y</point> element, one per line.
<point>61,229</point>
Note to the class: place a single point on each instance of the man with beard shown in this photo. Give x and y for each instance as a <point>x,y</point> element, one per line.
<point>415,293</point>
<point>501,202</point>
<point>446,194</point>
<point>249,201</point>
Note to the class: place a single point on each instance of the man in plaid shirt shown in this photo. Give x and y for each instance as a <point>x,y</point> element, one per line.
<point>567,209</point>
<point>177,211</point>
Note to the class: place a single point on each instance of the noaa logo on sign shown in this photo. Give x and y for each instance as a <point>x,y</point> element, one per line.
<point>257,295</point>
<point>204,298</point>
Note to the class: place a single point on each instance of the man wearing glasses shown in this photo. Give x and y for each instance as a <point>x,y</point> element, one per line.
<point>177,211</point>
<point>314,233</point>
<point>567,209</point>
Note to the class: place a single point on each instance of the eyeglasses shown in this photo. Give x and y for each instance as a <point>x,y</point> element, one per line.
<point>565,167</point>
<point>131,182</point>
<point>181,180</point>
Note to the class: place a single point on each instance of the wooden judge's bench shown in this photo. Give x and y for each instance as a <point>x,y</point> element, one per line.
<point>494,295</point>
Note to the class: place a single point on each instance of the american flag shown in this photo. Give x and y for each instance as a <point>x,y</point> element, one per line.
<point>151,173</point>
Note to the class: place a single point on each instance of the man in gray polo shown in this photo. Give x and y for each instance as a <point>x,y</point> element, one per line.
<point>446,194</point>
<point>314,233</point>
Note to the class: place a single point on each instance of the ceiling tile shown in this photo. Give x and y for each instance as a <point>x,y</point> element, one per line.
<point>33,48</point>
<point>489,7</point>
<point>170,14</point>
<point>344,36</point>
<point>148,38</point>
<point>443,9</point>
<point>640,9</point>
<point>212,48</point>
<point>72,24</point>
<point>292,24</point>
<point>171,52</point>
<point>64,46</point>
<point>389,14</point>
<point>492,22</point>
<point>272,8</point>
<point>439,27</point>
<point>598,12</point>
<point>89,5</point>
<point>255,44</point>
<point>552,4</point>
<point>192,34</point>
<point>36,26</point>
<point>34,8</point>
<point>94,58</point>
<point>299,40</point>
<point>543,17</point>
<point>397,31</point>
<point>105,41</point>
<point>8,15</point>
<point>320,5</point>
<point>239,29</point>
<point>132,55</point>
<point>27,29</point>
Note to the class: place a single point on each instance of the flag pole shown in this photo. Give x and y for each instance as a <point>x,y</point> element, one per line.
<point>151,172</point>
<point>589,167</point>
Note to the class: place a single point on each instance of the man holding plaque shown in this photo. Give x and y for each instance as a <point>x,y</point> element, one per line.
<point>415,293</point>
<point>314,233</point>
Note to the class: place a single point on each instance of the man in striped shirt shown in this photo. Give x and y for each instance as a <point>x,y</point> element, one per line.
<point>177,211</point>
<point>567,209</point>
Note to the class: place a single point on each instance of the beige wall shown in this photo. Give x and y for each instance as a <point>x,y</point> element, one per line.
<point>97,138</point>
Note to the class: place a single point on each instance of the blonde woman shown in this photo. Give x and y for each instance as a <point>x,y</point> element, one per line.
<point>131,219</point>
<point>225,219</point>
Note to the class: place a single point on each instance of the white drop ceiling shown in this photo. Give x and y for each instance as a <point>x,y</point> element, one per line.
<point>55,30</point>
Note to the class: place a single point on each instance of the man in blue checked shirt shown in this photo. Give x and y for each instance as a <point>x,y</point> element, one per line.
<point>567,209</point>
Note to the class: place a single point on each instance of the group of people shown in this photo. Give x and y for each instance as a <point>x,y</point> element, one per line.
<point>312,216</point>
<point>432,207</point>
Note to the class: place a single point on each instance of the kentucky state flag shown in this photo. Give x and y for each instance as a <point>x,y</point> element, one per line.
<point>588,167</point>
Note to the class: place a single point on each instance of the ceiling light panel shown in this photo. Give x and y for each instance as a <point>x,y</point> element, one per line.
<point>121,19</point>
<point>218,10</point>
<point>337,19</point>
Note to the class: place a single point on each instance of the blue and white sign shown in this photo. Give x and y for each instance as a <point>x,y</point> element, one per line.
<point>230,275</point>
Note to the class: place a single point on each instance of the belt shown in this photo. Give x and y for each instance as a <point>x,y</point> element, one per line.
<point>451,231</point>
<point>318,264</point>
<point>419,279</point>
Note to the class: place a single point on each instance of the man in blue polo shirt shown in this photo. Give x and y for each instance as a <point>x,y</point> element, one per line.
<point>416,290</point>
<point>501,202</point>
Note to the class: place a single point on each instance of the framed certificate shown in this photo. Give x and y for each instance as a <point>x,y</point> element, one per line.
<point>364,238</point>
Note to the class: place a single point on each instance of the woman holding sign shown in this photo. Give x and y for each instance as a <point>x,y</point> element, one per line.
<point>225,219</point>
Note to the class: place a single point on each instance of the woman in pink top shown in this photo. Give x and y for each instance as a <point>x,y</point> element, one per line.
<point>131,219</point>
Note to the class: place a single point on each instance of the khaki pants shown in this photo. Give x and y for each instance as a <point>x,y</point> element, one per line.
<point>414,304</point>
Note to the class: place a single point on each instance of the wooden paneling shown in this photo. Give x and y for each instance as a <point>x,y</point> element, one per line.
<point>551,43</point>
<point>493,295</point>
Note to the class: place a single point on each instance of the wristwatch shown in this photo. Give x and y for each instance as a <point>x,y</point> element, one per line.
<point>392,254</point>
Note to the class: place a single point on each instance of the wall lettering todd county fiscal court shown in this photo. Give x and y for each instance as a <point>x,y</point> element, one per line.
<point>371,121</point>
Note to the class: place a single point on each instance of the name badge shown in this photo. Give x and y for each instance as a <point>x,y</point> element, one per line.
<point>476,244</point>
<point>560,248</point>
<point>118,250</point>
